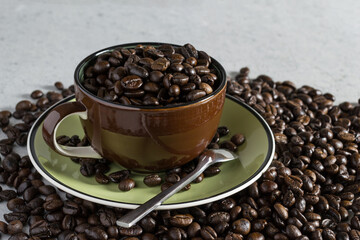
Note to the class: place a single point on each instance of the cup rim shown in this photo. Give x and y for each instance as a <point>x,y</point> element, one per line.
<point>85,61</point>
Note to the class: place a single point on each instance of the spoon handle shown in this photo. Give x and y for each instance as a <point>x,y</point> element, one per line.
<point>132,217</point>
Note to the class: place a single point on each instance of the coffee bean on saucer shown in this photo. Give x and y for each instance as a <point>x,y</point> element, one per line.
<point>212,171</point>
<point>228,145</point>
<point>172,178</point>
<point>126,184</point>
<point>101,178</point>
<point>223,131</point>
<point>152,180</point>
<point>118,176</point>
<point>199,179</point>
<point>165,186</point>
<point>238,139</point>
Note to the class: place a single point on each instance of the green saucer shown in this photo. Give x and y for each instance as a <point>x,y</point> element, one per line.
<point>255,156</point>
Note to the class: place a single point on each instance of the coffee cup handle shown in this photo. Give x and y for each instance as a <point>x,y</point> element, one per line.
<point>52,122</point>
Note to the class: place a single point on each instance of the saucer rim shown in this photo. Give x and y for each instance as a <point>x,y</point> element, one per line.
<point>49,177</point>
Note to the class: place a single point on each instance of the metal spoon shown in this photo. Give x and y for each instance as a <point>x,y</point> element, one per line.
<point>206,159</point>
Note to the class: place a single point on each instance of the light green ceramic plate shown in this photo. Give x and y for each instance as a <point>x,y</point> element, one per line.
<point>255,156</point>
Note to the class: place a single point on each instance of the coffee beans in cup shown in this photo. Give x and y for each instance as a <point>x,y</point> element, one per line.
<point>151,75</point>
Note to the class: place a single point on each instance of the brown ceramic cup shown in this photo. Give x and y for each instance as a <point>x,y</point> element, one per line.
<point>140,138</point>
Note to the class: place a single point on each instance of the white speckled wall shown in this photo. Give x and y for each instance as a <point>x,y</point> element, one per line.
<point>309,42</point>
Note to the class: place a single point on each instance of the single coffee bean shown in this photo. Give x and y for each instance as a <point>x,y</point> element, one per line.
<point>53,205</point>
<point>218,217</point>
<point>208,232</point>
<point>181,220</point>
<point>3,227</point>
<point>131,231</point>
<point>118,176</point>
<point>212,171</point>
<point>131,82</point>
<point>223,131</point>
<point>36,94</point>
<point>228,145</point>
<point>172,178</point>
<point>46,189</point>
<point>96,233</point>
<point>165,186</point>
<point>152,180</point>
<point>14,227</point>
<point>59,85</point>
<point>195,94</point>
<point>148,224</point>
<point>9,217</point>
<point>241,226</point>
<point>101,178</point>
<point>238,139</point>
<point>126,184</point>
<point>7,195</point>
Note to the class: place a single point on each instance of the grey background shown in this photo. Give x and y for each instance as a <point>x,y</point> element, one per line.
<point>309,42</point>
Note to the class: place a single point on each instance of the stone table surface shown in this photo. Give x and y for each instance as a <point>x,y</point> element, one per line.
<point>308,42</point>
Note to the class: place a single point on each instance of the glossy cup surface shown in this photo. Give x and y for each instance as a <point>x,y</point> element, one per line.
<point>145,138</point>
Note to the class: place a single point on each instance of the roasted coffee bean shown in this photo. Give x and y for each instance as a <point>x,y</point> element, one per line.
<point>223,131</point>
<point>228,145</point>
<point>59,85</point>
<point>19,236</point>
<point>3,227</point>
<point>23,105</point>
<point>212,171</point>
<point>218,217</point>
<point>208,233</point>
<point>148,224</point>
<point>101,178</point>
<point>268,186</point>
<point>181,220</point>
<point>281,210</point>
<point>36,94</point>
<point>9,217</point>
<point>126,184</point>
<point>46,189</point>
<point>241,226</point>
<point>118,176</point>
<point>131,82</point>
<point>96,233</point>
<point>131,231</point>
<point>30,193</point>
<point>14,227</point>
<point>70,208</point>
<point>53,205</point>
<point>172,178</point>
<point>165,186</point>
<point>255,236</point>
<point>152,180</point>
<point>7,195</point>
<point>199,179</point>
<point>195,94</point>
<point>238,139</point>
<point>5,149</point>
<point>17,205</point>
<point>11,162</point>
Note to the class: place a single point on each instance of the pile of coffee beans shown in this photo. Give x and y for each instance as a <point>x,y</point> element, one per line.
<point>151,76</point>
<point>100,167</point>
<point>311,190</point>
